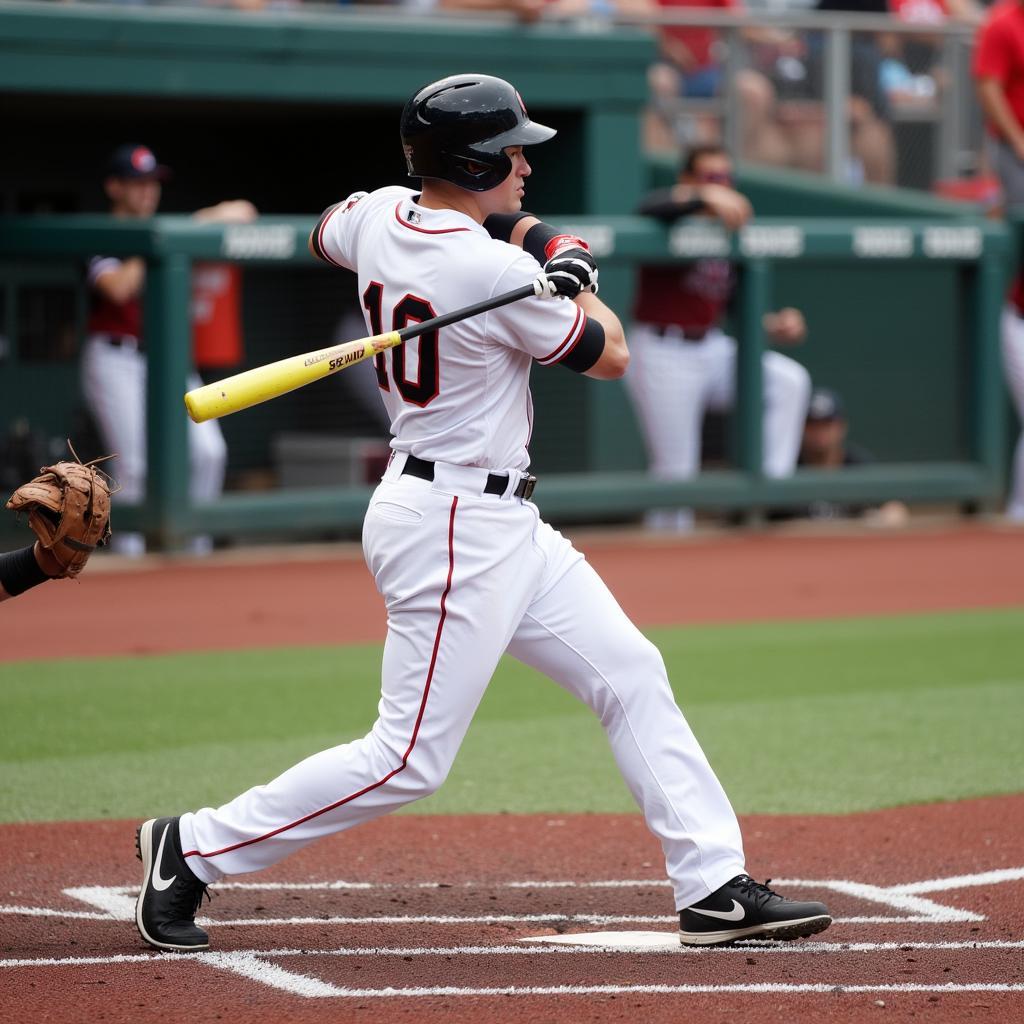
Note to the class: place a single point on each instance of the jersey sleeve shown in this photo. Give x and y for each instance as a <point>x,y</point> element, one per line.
<point>333,238</point>
<point>992,56</point>
<point>98,266</point>
<point>547,329</point>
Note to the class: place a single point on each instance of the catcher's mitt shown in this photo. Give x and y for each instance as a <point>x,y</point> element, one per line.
<point>69,509</point>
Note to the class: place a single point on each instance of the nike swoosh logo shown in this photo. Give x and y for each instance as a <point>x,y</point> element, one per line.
<point>162,883</point>
<point>736,914</point>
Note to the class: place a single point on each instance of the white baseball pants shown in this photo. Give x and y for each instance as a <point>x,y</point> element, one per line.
<point>673,382</point>
<point>114,385</point>
<point>465,577</point>
<point>1012,337</point>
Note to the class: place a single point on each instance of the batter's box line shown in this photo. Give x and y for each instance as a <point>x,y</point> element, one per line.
<point>261,971</point>
<point>255,966</point>
<point>541,946</point>
<point>118,902</point>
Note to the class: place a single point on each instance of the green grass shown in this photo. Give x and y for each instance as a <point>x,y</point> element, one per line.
<point>799,717</point>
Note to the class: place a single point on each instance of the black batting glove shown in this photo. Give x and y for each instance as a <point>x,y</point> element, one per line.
<point>570,269</point>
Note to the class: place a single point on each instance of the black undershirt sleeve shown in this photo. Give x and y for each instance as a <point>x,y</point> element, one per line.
<point>19,571</point>
<point>662,206</point>
<point>499,225</point>
<point>587,349</point>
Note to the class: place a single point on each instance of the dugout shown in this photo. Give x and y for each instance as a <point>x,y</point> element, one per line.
<point>294,109</point>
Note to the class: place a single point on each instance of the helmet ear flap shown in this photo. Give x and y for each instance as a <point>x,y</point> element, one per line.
<point>480,171</point>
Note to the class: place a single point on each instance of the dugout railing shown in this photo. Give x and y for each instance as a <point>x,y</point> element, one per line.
<point>980,249</point>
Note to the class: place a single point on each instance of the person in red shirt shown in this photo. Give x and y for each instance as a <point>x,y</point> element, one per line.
<point>999,77</point>
<point>683,363</point>
<point>114,360</point>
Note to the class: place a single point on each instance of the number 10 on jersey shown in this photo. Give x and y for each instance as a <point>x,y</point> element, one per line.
<point>412,309</point>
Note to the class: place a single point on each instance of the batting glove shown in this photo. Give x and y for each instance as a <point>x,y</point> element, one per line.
<point>570,269</point>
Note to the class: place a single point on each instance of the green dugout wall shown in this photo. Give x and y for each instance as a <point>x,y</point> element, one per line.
<point>967,260</point>
<point>295,109</point>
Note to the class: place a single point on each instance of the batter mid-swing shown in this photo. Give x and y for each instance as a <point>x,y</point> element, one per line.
<point>467,568</point>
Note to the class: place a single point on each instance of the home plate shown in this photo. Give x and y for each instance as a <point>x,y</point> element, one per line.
<point>613,940</point>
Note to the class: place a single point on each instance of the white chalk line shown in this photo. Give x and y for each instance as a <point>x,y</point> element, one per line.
<point>254,967</point>
<point>540,949</point>
<point>118,901</point>
<point>128,914</point>
<point>930,885</point>
<point>816,988</point>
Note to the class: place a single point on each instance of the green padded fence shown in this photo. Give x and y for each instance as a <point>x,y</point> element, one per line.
<point>972,255</point>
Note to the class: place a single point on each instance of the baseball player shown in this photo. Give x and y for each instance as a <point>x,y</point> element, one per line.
<point>114,359</point>
<point>1012,339</point>
<point>684,363</point>
<point>467,568</point>
<point>998,69</point>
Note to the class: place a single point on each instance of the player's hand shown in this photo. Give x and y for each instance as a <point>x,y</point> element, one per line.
<point>231,211</point>
<point>570,268</point>
<point>732,208</point>
<point>786,327</point>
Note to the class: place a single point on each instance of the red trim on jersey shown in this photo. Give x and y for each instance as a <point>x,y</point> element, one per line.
<point>319,241</point>
<point>568,343</point>
<point>416,727</point>
<point>423,231</point>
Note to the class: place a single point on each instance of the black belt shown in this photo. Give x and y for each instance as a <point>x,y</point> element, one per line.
<point>496,482</point>
<point>681,333</point>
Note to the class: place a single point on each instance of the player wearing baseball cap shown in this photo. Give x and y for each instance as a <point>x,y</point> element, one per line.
<point>114,362</point>
<point>467,567</point>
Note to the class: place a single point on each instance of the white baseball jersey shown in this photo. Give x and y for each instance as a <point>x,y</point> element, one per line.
<point>460,395</point>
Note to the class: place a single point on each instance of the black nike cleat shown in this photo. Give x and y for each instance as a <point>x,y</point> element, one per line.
<point>170,896</point>
<point>745,909</point>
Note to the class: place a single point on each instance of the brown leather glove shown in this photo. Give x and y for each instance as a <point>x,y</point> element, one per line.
<point>69,509</point>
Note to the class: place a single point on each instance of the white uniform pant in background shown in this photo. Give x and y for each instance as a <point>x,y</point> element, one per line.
<point>467,575</point>
<point>114,385</point>
<point>672,382</point>
<point>1012,336</point>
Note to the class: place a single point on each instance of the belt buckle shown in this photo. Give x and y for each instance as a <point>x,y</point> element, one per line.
<point>529,482</point>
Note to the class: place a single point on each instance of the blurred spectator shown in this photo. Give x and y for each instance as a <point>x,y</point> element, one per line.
<point>692,66</point>
<point>1013,361</point>
<point>871,139</point>
<point>114,361</point>
<point>911,71</point>
<point>999,73</point>
<point>683,363</point>
<point>526,11</point>
<point>826,446</point>
<point>529,11</point>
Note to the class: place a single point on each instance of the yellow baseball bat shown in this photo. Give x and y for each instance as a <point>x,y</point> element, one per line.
<point>260,384</point>
<point>250,387</point>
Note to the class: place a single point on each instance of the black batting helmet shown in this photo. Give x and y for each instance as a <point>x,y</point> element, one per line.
<point>457,130</point>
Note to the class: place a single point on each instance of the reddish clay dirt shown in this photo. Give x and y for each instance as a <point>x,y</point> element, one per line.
<point>452,875</point>
<point>221,603</point>
<point>455,870</point>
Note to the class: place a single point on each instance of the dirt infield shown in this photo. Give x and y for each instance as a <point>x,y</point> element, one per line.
<point>427,918</point>
<point>424,918</point>
<point>222,603</point>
